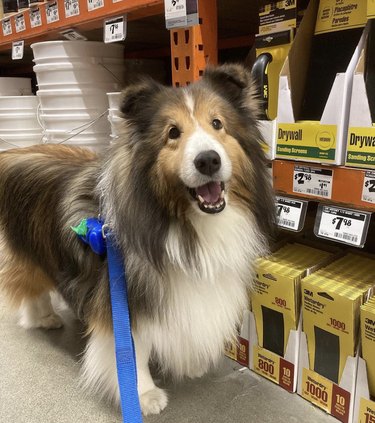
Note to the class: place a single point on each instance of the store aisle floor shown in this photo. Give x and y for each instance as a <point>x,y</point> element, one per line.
<point>38,384</point>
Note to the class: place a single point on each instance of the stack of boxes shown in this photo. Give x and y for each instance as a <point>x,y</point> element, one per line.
<point>310,312</point>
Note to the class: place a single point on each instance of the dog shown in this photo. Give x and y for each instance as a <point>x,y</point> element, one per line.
<point>185,190</point>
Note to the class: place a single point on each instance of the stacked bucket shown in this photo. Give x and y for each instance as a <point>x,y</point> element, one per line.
<point>19,125</point>
<point>114,114</point>
<point>73,79</point>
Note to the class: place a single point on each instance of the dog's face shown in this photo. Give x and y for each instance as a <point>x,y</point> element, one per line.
<point>186,153</point>
<point>199,138</point>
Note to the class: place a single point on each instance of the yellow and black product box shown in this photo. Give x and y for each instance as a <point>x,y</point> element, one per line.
<point>361,132</point>
<point>278,21</point>
<point>315,82</point>
<point>371,9</point>
<point>364,411</point>
<point>275,311</point>
<point>331,302</point>
<point>238,349</point>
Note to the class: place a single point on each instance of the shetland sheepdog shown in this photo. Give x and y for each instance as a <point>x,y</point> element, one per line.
<point>185,190</point>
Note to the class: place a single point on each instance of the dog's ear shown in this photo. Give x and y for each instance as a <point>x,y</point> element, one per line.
<point>234,83</point>
<point>137,95</point>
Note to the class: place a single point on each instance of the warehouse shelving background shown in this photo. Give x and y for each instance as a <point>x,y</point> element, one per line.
<point>226,33</point>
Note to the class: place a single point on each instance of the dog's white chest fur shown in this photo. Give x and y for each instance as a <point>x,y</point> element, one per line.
<point>205,305</point>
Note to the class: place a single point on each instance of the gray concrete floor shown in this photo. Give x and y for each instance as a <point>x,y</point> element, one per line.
<point>38,384</point>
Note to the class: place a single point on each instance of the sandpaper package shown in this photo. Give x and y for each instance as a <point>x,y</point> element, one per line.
<point>331,303</point>
<point>337,33</point>
<point>275,299</point>
<point>368,341</point>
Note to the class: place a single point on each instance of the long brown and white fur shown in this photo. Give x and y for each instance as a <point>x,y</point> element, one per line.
<point>189,262</point>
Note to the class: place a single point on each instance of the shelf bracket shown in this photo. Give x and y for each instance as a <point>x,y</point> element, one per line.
<point>192,49</point>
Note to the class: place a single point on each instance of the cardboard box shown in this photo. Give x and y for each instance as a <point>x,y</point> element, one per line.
<point>275,323</point>
<point>331,300</point>
<point>277,24</point>
<point>322,141</point>
<point>361,132</point>
<point>238,349</point>
<point>364,409</point>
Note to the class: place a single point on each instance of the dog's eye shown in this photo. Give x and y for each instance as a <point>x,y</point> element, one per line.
<point>217,124</point>
<point>174,133</point>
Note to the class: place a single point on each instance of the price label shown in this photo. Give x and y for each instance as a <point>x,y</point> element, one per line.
<point>71,8</point>
<point>368,189</point>
<point>273,367</point>
<point>290,213</point>
<point>52,12</point>
<point>7,27</point>
<point>115,29</point>
<point>326,395</point>
<point>342,225</point>
<point>73,35</point>
<point>175,13</point>
<point>116,1</point>
<point>20,24</point>
<point>94,4</point>
<point>313,181</point>
<point>17,50</point>
<point>35,17</point>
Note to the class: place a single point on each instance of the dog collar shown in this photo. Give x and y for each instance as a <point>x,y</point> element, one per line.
<point>90,231</point>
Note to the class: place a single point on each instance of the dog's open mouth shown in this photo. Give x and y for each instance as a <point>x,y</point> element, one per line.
<point>210,197</point>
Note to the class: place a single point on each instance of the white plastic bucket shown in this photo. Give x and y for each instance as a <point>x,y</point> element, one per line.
<point>24,121</point>
<point>117,125</point>
<point>83,60</point>
<point>76,49</point>
<point>87,136</point>
<point>21,132</point>
<point>19,102</point>
<point>91,112</point>
<point>114,100</point>
<point>8,142</point>
<point>75,123</point>
<point>99,86</point>
<point>73,99</point>
<point>15,86</point>
<point>58,73</point>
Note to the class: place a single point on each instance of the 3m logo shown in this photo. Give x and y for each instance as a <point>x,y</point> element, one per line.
<point>370,321</point>
<point>290,3</point>
<point>309,293</point>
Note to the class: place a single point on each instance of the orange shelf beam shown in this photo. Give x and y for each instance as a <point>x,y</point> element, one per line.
<point>136,9</point>
<point>195,47</point>
<point>346,188</point>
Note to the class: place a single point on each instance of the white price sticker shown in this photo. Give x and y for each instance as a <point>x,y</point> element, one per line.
<point>368,190</point>
<point>52,12</point>
<point>342,225</point>
<point>115,29</point>
<point>35,17</point>
<point>94,4</point>
<point>116,1</point>
<point>71,8</point>
<point>7,27</point>
<point>17,49</point>
<point>290,213</point>
<point>313,181</point>
<point>175,13</point>
<point>72,35</point>
<point>20,24</point>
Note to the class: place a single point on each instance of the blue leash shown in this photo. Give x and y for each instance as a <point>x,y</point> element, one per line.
<point>90,231</point>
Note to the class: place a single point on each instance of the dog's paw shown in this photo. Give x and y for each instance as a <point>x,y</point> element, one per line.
<point>153,402</point>
<point>51,321</point>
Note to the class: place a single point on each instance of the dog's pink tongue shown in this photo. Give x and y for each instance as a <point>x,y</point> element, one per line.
<point>210,192</point>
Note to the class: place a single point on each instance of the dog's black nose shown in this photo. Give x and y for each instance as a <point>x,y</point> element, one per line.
<point>208,162</point>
